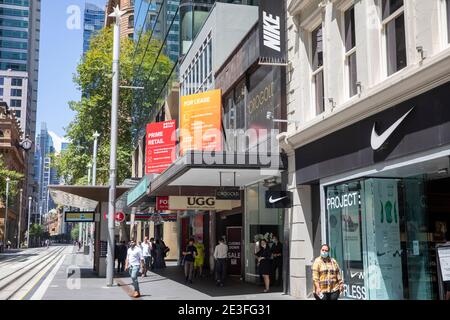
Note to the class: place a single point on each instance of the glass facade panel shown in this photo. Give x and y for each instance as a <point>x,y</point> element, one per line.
<point>259,223</point>
<point>377,231</point>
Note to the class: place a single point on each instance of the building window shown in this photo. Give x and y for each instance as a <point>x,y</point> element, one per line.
<point>16,82</point>
<point>16,103</point>
<point>393,13</point>
<point>2,81</point>
<point>131,22</point>
<point>350,51</point>
<point>16,92</point>
<point>18,113</point>
<point>318,70</point>
<point>1,92</point>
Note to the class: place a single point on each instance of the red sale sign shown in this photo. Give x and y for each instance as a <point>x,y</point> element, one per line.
<point>161,142</point>
<point>162,203</point>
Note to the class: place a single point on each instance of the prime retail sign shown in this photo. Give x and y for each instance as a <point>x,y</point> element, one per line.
<point>272,37</point>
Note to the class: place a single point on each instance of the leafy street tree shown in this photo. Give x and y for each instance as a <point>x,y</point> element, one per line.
<point>74,233</point>
<point>14,186</point>
<point>92,112</point>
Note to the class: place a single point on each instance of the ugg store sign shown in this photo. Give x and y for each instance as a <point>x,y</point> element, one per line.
<point>201,203</point>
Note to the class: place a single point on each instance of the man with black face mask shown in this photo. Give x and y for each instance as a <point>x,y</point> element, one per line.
<point>328,283</point>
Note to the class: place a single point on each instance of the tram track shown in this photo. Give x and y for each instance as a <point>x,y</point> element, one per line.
<point>14,282</point>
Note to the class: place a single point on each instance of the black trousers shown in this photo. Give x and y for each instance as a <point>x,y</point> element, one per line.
<point>329,295</point>
<point>120,265</point>
<point>221,270</point>
<point>277,267</point>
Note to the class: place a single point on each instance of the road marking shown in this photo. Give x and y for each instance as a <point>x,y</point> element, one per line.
<point>44,286</point>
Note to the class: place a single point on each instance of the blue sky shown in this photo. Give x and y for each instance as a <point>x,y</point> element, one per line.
<point>60,51</point>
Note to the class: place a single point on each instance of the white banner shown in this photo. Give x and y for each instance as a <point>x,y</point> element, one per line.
<point>201,203</point>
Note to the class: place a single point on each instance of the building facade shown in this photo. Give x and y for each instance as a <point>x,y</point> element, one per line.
<point>94,20</point>
<point>368,143</point>
<point>14,159</point>
<point>126,21</point>
<point>19,66</point>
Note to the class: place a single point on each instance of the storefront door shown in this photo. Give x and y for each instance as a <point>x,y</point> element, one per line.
<point>377,231</point>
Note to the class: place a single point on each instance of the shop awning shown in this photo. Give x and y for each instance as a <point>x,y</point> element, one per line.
<point>83,197</point>
<point>203,172</point>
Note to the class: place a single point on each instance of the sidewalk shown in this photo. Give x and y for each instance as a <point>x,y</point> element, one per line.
<point>75,280</point>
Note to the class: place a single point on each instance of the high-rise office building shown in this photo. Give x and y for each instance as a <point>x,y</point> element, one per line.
<point>45,174</point>
<point>19,67</point>
<point>93,21</point>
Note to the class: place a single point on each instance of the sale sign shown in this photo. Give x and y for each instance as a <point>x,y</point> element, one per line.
<point>162,203</point>
<point>201,122</point>
<point>160,149</point>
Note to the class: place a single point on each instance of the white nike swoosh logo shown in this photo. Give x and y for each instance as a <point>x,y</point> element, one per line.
<point>376,141</point>
<point>276,200</point>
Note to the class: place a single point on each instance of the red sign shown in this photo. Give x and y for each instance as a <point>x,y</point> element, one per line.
<point>162,203</point>
<point>161,142</point>
<point>120,216</point>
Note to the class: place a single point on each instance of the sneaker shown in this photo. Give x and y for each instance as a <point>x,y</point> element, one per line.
<point>136,294</point>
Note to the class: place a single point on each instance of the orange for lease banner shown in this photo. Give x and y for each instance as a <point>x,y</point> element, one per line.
<point>201,122</point>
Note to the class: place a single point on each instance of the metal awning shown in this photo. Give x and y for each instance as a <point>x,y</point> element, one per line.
<point>201,173</point>
<point>82,197</point>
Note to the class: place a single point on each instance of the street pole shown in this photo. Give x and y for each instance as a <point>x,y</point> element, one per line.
<point>94,183</point>
<point>20,219</point>
<point>113,152</point>
<point>29,217</point>
<point>5,237</point>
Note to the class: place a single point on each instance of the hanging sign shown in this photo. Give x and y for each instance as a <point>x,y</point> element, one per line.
<point>160,150</point>
<point>201,203</point>
<point>272,32</point>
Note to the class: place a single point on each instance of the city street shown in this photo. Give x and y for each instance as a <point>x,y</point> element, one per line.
<point>63,273</point>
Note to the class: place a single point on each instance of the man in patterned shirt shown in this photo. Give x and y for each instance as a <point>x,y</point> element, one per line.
<point>328,283</point>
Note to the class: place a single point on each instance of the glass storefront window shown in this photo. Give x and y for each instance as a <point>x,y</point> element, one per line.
<point>259,223</point>
<point>377,231</point>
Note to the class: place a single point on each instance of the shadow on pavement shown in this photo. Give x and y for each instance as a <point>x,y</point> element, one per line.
<point>233,285</point>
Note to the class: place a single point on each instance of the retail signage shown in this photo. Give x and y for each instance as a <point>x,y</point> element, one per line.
<point>200,203</point>
<point>343,201</point>
<point>138,191</point>
<point>74,216</point>
<point>228,194</point>
<point>278,199</point>
<point>201,122</point>
<point>142,216</point>
<point>444,262</point>
<point>408,128</point>
<point>234,242</point>
<point>162,203</point>
<point>272,32</point>
<point>160,146</point>
<point>168,216</point>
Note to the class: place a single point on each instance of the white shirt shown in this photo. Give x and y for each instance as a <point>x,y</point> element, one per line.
<point>221,251</point>
<point>134,256</point>
<point>146,249</point>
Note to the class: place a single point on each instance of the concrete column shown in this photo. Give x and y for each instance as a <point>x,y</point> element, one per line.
<point>212,238</point>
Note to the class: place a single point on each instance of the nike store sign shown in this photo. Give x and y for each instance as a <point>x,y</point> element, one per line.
<point>415,126</point>
<point>278,199</point>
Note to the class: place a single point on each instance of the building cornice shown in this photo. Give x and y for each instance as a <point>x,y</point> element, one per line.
<point>410,82</point>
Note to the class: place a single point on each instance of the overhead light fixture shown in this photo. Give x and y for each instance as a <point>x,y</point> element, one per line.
<point>443,171</point>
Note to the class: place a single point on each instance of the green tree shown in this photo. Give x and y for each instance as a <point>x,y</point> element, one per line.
<point>36,230</point>
<point>74,233</point>
<point>92,112</point>
<point>14,186</point>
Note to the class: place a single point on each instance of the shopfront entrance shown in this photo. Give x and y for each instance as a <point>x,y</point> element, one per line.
<point>383,231</point>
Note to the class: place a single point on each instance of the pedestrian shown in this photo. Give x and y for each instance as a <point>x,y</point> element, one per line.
<point>146,251</point>
<point>47,243</point>
<point>133,263</point>
<point>199,258</point>
<point>277,262</point>
<point>264,256</point>
<point>122,251</point>
<point>153,253</point>
<point>166,250</point>
<point>79,245</point>
<point>159,255</point>
<point>220,256</point>
<point>8,244</point>
<point>328,283</point>
<point>189,258</point>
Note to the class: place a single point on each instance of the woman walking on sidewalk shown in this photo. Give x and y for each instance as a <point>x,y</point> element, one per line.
<point>189,258</point>
<point>134,262</point>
